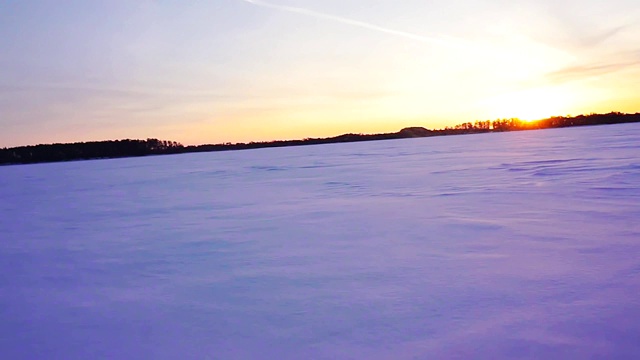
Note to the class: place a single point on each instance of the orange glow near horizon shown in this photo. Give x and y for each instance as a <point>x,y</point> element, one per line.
<point>530,105</point>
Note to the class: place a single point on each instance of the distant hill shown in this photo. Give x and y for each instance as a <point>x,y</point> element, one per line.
<point>412,132</point>
<point>129,148</point>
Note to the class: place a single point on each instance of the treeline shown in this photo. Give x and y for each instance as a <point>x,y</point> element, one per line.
<point>345,138</point>
<point>87,150</point>
<point>515,124</point>
<point>128,148</point>
<point>131,148</point>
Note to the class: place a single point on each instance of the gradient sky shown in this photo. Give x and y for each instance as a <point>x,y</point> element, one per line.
<point>241,70</point>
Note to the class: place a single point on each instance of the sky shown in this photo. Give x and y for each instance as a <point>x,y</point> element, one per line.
<point>213,71</point>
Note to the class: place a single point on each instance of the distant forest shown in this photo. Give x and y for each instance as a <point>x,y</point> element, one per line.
<point>130,148</point>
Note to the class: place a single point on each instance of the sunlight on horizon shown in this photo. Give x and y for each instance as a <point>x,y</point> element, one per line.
<point>530,105</point>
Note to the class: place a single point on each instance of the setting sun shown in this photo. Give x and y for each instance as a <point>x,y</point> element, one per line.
<point>530,105</point>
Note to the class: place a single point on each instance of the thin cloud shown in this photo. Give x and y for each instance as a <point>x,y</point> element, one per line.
<point>586,39</point>
<point>434,40</point>
<point>597,39</point>
<point>580,72</point>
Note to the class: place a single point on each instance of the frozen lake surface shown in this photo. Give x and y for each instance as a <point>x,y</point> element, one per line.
<point>521,245</point>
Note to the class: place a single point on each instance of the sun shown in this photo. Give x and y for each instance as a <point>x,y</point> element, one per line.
<point>529,105</point>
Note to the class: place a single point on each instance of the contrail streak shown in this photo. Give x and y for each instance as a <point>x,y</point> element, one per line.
<point>440,41</point>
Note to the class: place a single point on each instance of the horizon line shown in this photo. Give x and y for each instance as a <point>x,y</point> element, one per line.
<point>334,136</point>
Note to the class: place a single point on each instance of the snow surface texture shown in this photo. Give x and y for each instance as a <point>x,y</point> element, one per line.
<point>512,245</point>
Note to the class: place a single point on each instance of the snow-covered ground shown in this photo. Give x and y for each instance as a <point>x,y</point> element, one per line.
<point>515,245</point>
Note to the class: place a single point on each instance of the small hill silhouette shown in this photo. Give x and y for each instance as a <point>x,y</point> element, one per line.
<point>415,131</point>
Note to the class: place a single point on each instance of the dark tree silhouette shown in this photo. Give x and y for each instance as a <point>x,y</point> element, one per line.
<point>87,150</point>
